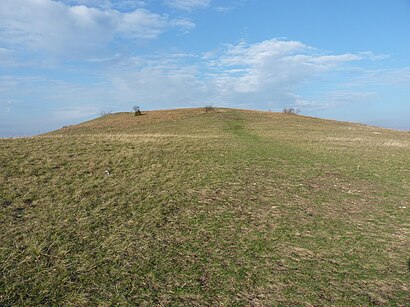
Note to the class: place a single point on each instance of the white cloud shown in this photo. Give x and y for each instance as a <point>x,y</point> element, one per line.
<point>59,28</point>
<point>267,73</point>
<point>188,5</point>
<point>44,24</point>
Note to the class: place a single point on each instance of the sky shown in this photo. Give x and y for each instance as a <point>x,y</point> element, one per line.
<point>67,61</point>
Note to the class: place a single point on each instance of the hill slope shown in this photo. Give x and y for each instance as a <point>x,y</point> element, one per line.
<point>192,208</point>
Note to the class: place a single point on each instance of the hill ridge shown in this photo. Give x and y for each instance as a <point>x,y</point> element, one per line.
<point>189,207</point>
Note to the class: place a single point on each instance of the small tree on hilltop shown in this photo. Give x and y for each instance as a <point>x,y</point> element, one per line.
<point>291,111</point>
<point>137,110</point>
<point>209,108</point>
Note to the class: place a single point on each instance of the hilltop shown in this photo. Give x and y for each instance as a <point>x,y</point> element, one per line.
<point>187,207</point>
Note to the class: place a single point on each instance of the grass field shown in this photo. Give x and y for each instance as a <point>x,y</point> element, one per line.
<point>187,207</point>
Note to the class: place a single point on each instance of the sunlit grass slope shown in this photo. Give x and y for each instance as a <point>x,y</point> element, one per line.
<point>186,207</point>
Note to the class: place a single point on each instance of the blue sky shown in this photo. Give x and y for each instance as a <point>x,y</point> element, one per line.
<point>63,62</point>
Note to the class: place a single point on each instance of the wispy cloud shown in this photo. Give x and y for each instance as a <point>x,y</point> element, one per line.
<point>184,24</point>
<point>332,99</point>
<point>392,76</point>
<point>7,57</point>
<point>108,4</point>
<point>188,5</point>
<point>228,6</point>
<point>76,112</point>
<point>8,83</point>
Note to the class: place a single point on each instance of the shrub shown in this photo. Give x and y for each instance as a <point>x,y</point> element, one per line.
<point>136,110</point>
<point>209,108</point>
<point>291,110</point>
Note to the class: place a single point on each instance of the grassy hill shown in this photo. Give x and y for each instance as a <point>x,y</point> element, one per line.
<point>187,207</point>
